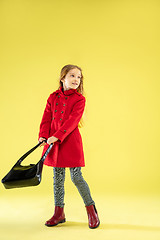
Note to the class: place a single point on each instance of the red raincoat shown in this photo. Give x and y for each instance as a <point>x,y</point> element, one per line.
<point>61,116</point>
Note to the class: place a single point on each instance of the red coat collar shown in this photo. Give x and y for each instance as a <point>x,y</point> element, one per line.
<point>66,92</point>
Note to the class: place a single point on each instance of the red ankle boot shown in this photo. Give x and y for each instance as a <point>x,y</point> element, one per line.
<point>58,217</point>
<point>92,216</point>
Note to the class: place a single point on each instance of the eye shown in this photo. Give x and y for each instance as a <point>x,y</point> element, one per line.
<point>73,75</point>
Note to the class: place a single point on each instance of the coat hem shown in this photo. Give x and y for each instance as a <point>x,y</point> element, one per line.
<point>66,166</point>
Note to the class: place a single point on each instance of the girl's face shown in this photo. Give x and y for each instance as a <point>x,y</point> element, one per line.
<point>72,79</point>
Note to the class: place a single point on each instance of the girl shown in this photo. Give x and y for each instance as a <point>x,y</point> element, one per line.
<point>59,125</point>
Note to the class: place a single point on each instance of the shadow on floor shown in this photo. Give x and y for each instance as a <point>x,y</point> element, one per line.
<point>105,226</point>
<point>128,227</point>
<point>71,224</point>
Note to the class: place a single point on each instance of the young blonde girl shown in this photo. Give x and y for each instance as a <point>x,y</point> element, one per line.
<point>61,118</point>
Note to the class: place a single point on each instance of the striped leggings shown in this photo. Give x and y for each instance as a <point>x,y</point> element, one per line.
<point>78,180</point>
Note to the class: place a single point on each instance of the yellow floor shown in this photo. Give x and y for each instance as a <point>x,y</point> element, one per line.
<point>122,217</point>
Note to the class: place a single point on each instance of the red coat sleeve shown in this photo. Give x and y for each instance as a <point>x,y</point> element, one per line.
<point>45,124</point>
<point>72,122</point>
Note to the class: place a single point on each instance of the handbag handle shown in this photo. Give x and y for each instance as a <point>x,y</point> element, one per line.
<point>32,149</point>
<point>46,152</point>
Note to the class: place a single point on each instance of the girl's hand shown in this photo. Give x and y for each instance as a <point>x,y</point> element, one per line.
<point>52,140</point>
<point>40,140</point>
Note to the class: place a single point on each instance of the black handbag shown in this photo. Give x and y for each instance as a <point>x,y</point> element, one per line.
<point>25,176</point>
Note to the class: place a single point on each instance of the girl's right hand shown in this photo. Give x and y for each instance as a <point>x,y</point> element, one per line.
<point>40,140</point>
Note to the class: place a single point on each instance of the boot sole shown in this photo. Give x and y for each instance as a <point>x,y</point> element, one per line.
<point>62,221</point>
<point>95,227</point>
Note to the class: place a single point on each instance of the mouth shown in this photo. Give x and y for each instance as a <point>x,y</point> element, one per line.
<point>75,84</point>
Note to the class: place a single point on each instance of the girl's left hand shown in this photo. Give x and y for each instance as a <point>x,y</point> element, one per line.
<point>52,140</point>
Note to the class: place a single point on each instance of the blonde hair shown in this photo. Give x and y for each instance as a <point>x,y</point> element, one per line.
<point>80,89</point>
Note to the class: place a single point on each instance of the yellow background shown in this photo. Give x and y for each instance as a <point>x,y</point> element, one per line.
<point>116,43</point>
